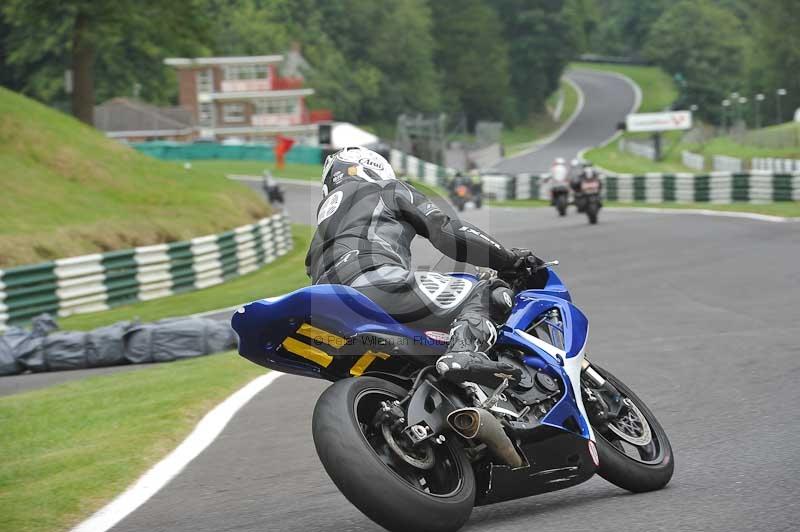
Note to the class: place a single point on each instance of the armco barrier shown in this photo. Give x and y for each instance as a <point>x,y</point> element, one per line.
<point>410,166</point>
<point>101,281</point>
<point>715,187</point>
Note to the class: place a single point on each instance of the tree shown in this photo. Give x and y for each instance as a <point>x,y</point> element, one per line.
<point>624,25</point>
<point>541,43</point>
<point>776,55</point>
<point>86,36</point>
<point>371,60</point>
<point>472,57</point>
<point>711,62</point>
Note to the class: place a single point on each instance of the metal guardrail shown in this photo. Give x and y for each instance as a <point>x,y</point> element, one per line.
<point>101,281</point>
<point>719,187</point>
<point>716,187</point>
<point>428,173</point>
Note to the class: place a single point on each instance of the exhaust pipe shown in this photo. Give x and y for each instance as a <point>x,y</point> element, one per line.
<point>480,425</point>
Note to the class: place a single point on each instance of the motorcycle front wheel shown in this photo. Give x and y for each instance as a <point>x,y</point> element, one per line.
<point>634,451</point>
<point>368,470</point>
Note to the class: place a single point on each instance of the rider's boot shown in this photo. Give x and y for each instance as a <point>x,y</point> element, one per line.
<point>466,359</point>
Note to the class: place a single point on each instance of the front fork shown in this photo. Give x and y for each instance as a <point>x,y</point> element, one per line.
<point>605,400</point>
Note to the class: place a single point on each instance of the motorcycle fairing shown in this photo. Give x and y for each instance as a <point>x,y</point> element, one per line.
<point>313,332</point>
<point>565,363</point>
<point>321,331</point>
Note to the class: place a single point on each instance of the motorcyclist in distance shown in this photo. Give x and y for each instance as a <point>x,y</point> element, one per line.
<point>559,171</point>
<point>365,225</point>
<point>588,171</point>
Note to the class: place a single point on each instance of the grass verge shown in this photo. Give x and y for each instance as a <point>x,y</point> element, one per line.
<point>69,449</point>
<point>305,172</point>
<point>787,209</point>
<point>284,275</point>
<point>68,190</point>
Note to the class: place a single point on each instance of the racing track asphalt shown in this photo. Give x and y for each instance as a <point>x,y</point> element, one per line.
<point>697,314</point>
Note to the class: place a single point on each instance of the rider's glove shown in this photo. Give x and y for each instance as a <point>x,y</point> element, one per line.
<point>523,260</point>
<point>526,259</point>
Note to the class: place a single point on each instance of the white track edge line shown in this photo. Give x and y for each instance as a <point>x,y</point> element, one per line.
<point>169,467</point>
<point>701,212</point>
<point>706,212</point>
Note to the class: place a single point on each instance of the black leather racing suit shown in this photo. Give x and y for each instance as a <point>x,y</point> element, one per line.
<point>363,239</point>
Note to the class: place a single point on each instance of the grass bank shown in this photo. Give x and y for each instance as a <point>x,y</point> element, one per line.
<point>284,275</point>
<point>305,172</point>
<point>68,190</point>
<point>69,449</point>
<point>781,141</point>
<point>788,209</point>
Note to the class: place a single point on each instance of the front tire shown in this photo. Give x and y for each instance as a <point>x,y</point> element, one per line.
<point>381,485</point>
<point>619,464</point>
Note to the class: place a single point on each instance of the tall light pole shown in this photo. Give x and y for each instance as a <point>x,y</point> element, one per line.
<point>725,104</point>
<point>759,99</point>
<point>778,94</point>
<point>742,113</point>
<point>734,99</point>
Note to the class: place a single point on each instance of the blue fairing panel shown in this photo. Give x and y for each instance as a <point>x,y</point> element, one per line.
<point>341,311</point>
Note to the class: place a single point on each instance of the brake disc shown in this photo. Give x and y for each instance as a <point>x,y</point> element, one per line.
<point>423,457</point>
<point>633,426</point>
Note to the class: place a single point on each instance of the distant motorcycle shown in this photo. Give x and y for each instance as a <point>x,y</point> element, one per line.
<point>272,190</point>
<point>559,187</point>
<point>559,197</point>
<point>587,198</point>
<point>459,196</point>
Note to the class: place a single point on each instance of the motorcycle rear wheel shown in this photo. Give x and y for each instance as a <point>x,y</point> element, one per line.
<point>634,468</point>
<point>386,489</point>
<point>591,213</point>
<point>561,205</point>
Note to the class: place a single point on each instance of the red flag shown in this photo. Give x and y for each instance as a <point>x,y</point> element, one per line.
<point>282,145</point>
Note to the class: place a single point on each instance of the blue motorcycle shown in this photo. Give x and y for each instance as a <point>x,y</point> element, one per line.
<point>415,452</point>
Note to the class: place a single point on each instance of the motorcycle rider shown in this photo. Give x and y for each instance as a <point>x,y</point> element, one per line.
<point>559,171</point>
<point>365,225</point>
<point>587,172</point>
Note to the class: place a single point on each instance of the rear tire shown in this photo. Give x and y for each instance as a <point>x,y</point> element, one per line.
<point>591,212</point>
<point>368,482</point>
<point>624,471</point>
<point>561,205</point>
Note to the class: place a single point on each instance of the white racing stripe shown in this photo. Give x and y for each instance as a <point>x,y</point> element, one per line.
<point>160,474</point>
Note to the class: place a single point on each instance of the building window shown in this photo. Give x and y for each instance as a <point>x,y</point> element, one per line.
<point>275,107</point>
<point>233,112</point>
<point>205,81</point>
<point>240,72</point>
<point>205,114</point>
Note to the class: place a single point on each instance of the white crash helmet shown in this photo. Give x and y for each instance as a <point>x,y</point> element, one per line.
<point>354,163</point>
